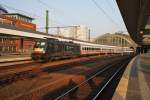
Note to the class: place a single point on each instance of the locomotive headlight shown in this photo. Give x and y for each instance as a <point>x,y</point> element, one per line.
<point>43,51</point>
<point>39,50</point>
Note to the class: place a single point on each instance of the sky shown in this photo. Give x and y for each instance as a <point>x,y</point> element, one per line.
<point>71,12</point>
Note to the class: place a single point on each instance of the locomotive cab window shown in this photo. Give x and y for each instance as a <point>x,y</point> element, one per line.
<point>40,47</point>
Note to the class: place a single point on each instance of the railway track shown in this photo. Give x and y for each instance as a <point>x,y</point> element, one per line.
<point>58,69</point>
<point>33,71</point>
<point>4,64</point>
<point>43,92</point>
<point>10,66</point>
<point>88,90</point>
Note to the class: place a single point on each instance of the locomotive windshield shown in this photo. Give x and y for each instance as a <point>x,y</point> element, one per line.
<point>40,45</point>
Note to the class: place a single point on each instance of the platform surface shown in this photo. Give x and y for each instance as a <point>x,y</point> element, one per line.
<point>135,82</point>
<point>11,58</point>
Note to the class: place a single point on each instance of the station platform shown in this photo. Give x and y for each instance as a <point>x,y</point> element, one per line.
<point>13,58</point>
<point>135,82</point>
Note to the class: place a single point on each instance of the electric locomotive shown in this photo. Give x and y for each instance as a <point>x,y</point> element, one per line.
<point>50,49</point>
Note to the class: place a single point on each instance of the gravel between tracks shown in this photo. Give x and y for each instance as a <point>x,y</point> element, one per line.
<point>49,81</point>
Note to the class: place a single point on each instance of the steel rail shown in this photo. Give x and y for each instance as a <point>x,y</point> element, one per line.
<point>84,82</point>
<point>110,79</point>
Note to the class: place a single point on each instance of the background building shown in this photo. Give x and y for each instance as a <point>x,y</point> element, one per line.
<point>17,20</point>
<point>67,32</point>
<point>83,33</point>
<point>12,44</point>
<point>116,39</point>
<point>80,32</point>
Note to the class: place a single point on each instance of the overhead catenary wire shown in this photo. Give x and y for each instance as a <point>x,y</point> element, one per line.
<point>38,17</point>
<point>46,5</point>
<point>103,11</point>
<point>21,11</point>
<point>112,8</point>
<point>110,4</point>
<point>29,14</point>
<point>43,3</point>
<point>56,10</point>
<point>18,10</point>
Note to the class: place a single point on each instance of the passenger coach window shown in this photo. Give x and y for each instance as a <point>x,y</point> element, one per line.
<point>67,48</point>
<point>83,48</point>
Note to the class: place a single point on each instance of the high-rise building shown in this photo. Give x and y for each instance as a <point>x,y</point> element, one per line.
<point>67,32</point>
<point>79,32</point>
<point>82,33</point>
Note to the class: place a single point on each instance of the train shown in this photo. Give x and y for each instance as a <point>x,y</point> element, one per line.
<point>50,48</point>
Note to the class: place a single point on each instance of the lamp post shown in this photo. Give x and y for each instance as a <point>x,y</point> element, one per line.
<point>47,20</point>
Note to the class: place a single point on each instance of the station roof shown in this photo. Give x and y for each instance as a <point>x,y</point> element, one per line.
<point>136,15</point>
<point>115,40</point>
